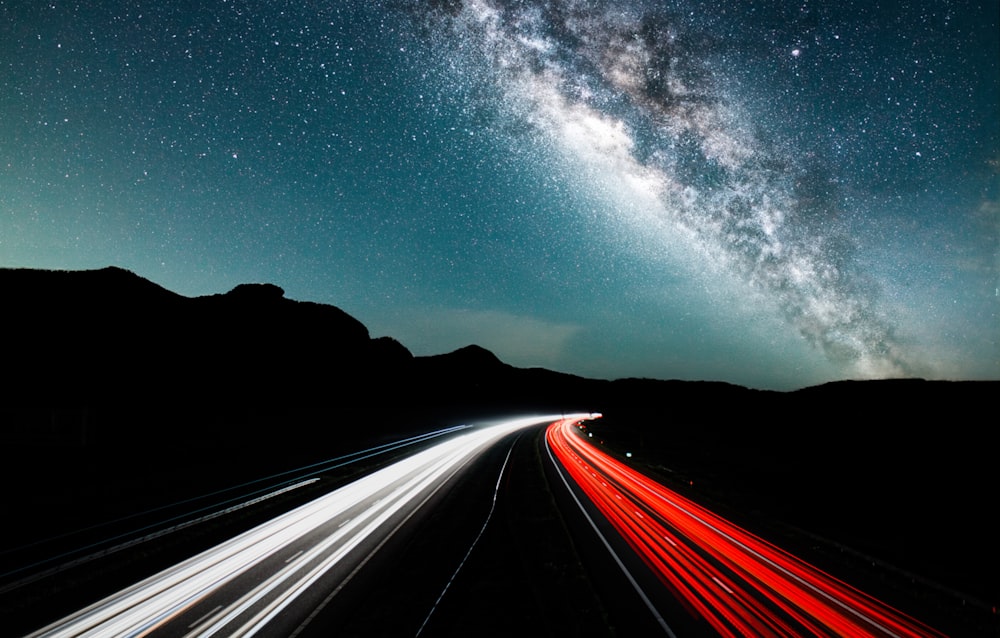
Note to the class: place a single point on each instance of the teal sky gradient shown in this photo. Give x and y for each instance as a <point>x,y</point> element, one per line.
<point>774,197</point>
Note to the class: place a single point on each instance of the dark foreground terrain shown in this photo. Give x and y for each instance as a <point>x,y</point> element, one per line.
<point>122,397</point>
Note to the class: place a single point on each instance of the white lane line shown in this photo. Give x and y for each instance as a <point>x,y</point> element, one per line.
<point>635,585</point>
<point>496,491</point>
<point>204,617</point>
<point>363,562</point>
<point>293,556</point>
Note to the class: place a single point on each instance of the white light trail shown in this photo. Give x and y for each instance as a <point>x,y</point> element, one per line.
<point>286,555</point>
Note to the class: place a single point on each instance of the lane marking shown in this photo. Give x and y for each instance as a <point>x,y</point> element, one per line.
<point>496,491</point>
<point>204,617</point>
<point>635,585</point>
<point>343,583</point>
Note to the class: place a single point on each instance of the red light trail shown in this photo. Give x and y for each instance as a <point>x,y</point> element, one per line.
<point>740,584</point>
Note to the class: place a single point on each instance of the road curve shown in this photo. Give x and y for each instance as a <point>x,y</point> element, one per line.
<point>256,582</point>
<point>739,584</point>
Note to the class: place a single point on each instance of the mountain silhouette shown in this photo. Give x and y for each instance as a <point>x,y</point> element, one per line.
<point>111,336</point>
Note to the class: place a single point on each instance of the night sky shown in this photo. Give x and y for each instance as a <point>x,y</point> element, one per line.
<point>774,194</point>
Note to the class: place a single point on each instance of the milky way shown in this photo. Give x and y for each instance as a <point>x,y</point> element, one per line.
<point>630,92</point>
<point>624,73</point>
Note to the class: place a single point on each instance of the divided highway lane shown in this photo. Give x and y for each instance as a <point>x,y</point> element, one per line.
<point>739,584</point>
<point>270,579</point>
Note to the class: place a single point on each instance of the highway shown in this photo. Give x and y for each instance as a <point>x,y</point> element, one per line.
<point>736,583</point>
<point>690,571</point>
<point>274,578</point>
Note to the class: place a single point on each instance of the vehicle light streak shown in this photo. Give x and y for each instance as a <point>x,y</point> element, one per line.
<point>271,565</point>
<point>740,584</point>
<point>235,499</point>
